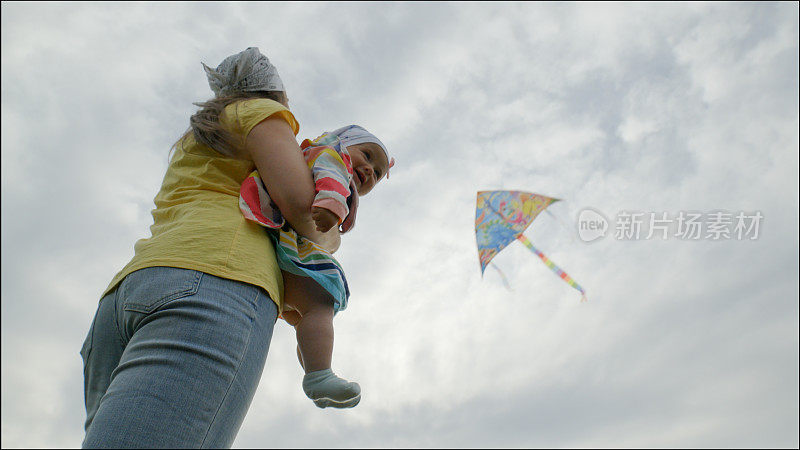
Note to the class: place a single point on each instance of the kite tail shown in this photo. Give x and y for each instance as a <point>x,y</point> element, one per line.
<point>552,266</point>
<point>502,276</point>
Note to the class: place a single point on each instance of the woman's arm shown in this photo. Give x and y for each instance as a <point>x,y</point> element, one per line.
<point>271,145</point>
<point>331,240</point>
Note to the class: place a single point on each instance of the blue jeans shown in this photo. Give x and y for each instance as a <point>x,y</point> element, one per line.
<point>173,359</point>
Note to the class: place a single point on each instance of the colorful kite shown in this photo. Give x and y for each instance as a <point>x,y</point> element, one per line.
<point>501,217</point>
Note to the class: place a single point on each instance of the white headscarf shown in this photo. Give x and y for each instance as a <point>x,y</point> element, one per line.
<point>354,134</point>
<point>245,71</point>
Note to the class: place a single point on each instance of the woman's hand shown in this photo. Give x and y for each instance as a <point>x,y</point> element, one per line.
<point>331,240</point>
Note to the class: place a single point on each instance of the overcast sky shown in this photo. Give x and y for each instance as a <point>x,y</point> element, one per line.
<point>636,107</point>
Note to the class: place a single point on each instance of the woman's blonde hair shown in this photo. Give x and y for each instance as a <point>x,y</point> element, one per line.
<point>206,127</point>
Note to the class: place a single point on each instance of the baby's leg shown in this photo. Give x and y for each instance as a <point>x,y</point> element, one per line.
<point>292,317</point>
<point>314,331</point>
<point>313,321</point>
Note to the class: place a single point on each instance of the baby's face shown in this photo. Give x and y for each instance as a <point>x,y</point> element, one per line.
<point>369,165</point>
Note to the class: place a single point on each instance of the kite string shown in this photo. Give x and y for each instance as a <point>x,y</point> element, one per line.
<point>502,276</point>
<point>563,275</point>
<point>561,222</point>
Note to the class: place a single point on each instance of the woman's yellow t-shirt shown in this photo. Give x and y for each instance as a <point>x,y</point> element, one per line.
<point>197,223</point>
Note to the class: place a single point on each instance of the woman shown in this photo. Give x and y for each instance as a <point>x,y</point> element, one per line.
<point>181,334</point>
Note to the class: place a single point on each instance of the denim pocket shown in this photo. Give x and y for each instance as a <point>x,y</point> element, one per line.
<point>148,289</point>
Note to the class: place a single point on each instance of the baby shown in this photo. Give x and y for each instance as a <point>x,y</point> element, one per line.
<point>345,164</point>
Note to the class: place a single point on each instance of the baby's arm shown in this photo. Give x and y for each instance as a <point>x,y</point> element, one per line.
<point>324,218</point>
<point>332,185</point>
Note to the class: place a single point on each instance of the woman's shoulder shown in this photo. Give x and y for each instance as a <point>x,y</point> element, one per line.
<point>257,103</point>
<point>249,112</point>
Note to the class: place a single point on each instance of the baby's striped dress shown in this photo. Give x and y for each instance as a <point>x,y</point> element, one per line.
<point>330,165</point>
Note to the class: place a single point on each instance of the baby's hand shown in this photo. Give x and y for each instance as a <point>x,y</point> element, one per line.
<point>324,218</point>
